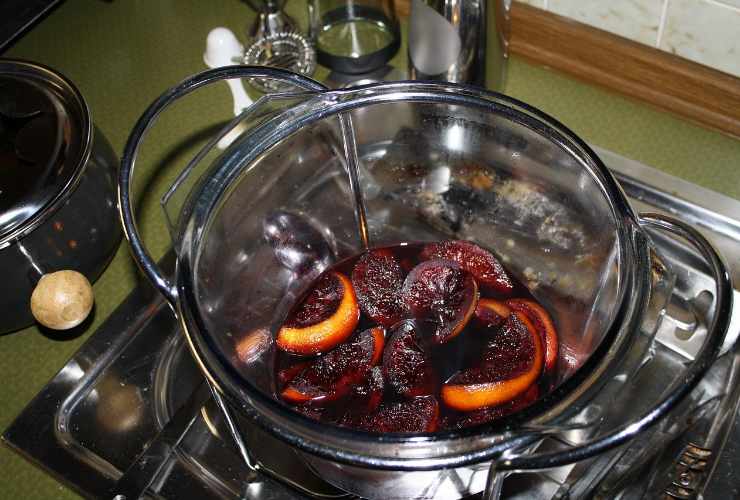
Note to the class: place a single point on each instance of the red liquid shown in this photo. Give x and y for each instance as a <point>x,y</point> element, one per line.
<point>419,343</point>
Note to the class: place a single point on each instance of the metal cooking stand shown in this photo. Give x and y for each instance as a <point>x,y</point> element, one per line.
<point>82,448</point>
<point>165,442</point>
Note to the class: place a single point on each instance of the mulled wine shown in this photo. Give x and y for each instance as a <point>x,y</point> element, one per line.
<point>415,337</point>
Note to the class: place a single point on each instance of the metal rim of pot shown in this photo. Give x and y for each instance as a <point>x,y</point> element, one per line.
<point>179,296</point>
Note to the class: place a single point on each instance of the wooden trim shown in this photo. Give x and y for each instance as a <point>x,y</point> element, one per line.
<point>402,8</point>
<point>691,90</point>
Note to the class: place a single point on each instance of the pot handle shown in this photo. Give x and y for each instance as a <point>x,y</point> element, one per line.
<point>150,268</point>
<point>716,333</point>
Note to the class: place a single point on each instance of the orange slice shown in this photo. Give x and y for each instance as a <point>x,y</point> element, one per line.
<point>482,393</point>
<point>490,312</point>
<point>544,324</point>
<point>378,334</point>
<point>327,332</point>
<point>334,374</point>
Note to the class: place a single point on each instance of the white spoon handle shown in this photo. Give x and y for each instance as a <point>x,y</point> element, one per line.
<point>241,99</point>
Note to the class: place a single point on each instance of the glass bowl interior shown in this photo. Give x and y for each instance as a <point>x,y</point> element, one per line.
<point>428,171</point>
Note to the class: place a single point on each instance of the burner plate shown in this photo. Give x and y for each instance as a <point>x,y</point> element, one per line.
<point>116,394</point>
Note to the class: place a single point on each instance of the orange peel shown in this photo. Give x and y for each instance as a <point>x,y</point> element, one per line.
<point>378,334</point>
<point>544,324</point>
<point>488,306</point>
<point>469,397</point>
<point>328,333</point>
<point>333,375</point>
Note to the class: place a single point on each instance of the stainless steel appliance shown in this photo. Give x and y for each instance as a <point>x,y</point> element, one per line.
<point>354,37</point>
<point>462,41</point>
<point>127,383</point>
<point>551,210</point>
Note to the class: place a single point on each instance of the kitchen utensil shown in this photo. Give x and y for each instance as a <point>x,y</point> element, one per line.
<point>462,41</point>
<point>454,162</point>
<point>271,19</point>
<point>223,49</point>
<point>354,36</point>
<point>57,199</point>
<point>276,41</point>
<point>287,50</point>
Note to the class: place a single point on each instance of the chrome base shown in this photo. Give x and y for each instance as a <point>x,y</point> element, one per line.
<point>127,385</point>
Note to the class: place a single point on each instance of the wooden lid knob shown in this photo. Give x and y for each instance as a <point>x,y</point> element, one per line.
<point>62,300</point>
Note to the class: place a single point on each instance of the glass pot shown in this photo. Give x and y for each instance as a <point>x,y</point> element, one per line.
<point>399,162</point>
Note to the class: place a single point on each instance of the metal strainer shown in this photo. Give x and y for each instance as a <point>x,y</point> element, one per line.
<point>288,50</point>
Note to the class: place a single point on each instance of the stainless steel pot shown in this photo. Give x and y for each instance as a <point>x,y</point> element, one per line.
<point>459,41</point>
<point>435,161</point>
<point>57,186</point>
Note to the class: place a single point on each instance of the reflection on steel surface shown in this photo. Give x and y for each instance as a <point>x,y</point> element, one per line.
<point>136,365</point>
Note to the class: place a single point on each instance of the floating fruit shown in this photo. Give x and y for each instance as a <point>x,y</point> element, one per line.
<point>512,362</point>
<point>253,345</point>
<point>378,335</point>
<point>450,313</point>
<point>298,242</point>
<point>420,414</point>
<point>364,399</point>
<point>492,413</point>
<point>441,293</point>
<point>490,312</point>
<point>487,270</point>
<point>406,364</point>
<point>336,373</point>
<point>286,375</point>
<point>325,318</point>
<point>544,325</point>
<point>377,279</point>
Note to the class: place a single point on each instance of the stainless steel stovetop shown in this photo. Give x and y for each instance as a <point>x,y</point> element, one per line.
<point>110,410</point>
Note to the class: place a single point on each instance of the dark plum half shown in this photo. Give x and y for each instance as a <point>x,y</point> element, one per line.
<point>407,364</point>
<point>420,414</point>
<point>441,293</point>
<point>378,278</point>
<point>487,270</point>
<point>363,400</point>
<point>334,375</point>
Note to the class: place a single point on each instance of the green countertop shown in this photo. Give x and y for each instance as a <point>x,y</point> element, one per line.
<point>122,54</point>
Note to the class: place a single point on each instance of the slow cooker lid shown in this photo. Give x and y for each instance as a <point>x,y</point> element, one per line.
<point>44,130</point>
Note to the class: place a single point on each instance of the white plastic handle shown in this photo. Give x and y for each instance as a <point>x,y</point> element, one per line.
<point>223,49</point>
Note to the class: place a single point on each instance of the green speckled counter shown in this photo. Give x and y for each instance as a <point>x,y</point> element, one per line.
<point>122,54</point>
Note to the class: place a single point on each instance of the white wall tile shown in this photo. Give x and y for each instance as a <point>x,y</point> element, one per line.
<point>637,20</point>
<point>729,3</point>
<point>705,32</point>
